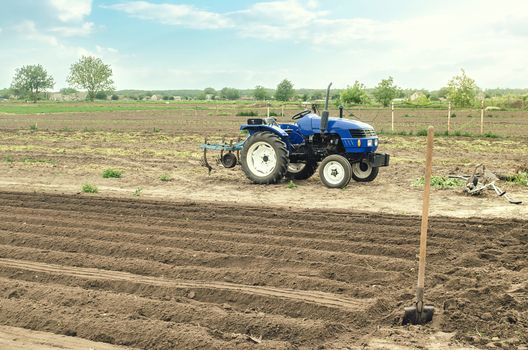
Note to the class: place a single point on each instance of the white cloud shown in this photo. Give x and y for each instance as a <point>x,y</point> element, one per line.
<point>174,14</point>
<point>72,10</point>
<point>84,29</point>
<point>28,30</point>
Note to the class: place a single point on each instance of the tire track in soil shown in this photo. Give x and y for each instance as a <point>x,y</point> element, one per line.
<point>186,275</point>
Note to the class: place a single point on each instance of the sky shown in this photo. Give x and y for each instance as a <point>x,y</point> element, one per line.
<point>164,44</point>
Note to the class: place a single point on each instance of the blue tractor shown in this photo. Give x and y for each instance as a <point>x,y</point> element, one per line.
<point>343,149</point>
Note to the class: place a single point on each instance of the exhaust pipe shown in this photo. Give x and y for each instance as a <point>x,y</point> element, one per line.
<point>326,114</point>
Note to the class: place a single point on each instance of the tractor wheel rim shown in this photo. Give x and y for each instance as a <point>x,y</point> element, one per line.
<point>295,168</point>
<point>362,170</point>
<point>334,172</point>
<point>262,159</point>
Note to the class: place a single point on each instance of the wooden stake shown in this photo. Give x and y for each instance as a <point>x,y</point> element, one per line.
<point>268,111</point>
<point>392,117</point>
<point>449,118</point>
<point>282,114</point>
<point>482,117</point>
<point>425,208</point>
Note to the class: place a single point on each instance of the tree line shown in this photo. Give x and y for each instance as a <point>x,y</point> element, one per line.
<point>95,77</point>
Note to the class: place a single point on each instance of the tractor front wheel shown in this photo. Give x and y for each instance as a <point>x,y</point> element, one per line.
<point>301,171</point>
<point>364,172</point>
<point>264,158</point>
<point>335,171</point>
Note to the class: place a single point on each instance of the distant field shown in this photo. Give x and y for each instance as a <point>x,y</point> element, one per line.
<point>211,117</point>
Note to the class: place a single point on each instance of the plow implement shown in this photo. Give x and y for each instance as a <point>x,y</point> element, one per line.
<point>229,155</point>
<point>481,180</point>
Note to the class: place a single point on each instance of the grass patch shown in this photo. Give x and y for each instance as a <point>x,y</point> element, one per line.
<point>421,132</point>
<point>9,158</point>
<point>247,114</point>
<point>440,182</point>
<point>35,160</point>
<point>520,178</point>
<point>112,174</point>
<point>292,185</point>
<point>491,135</point>
<point>89,188</point>
<point>166,178</point>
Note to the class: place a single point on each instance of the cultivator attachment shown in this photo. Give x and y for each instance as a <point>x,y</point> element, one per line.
<point>229,153</point>
<point>481,180</point>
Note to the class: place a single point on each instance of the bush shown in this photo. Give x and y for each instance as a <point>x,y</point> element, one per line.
<point>115,97</point>
<point>101,95</point>
<point>247,114</point>
<point>520,178</point>
<point>491,135</point>
<point>112,173</point>
<point>89,188</point>
<point>421,132</point>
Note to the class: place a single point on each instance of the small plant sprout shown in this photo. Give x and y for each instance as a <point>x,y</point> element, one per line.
<point>292,185</point>
<point>33,127</point>
<point>89,188</point>
<point>440,182</point>
<point>137,192</point>
<point>112,173</point>
<point>166,178</point>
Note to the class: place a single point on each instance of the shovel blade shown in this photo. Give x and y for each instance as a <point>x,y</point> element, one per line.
<point>413,316</point>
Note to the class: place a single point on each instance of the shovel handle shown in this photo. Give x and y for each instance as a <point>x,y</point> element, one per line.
<point>425,208</point>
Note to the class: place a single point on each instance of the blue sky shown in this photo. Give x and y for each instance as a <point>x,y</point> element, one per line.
<point>163,44</point>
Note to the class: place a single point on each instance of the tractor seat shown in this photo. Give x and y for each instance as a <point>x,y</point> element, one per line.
<point>255,121</point>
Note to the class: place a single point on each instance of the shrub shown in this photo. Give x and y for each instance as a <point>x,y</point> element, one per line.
<point>89,188</point>
<point>521,178</point>
<point>33,127</point>
<point>115,97</point>
<point>112,173</point>
<point>421,132</point>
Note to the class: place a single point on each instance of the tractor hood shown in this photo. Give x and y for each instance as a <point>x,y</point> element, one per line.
<point>313,122</point>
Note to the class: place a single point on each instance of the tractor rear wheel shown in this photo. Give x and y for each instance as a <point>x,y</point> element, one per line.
<point>335,171</point>
<point>264,158</point>
<point>364,172</point>
<point>301,171</point>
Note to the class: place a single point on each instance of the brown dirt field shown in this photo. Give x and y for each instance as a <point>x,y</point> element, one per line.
<point>209,121</point>
<point>157,275</point>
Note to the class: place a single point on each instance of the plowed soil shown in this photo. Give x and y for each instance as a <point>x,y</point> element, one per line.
<point>159,275</point>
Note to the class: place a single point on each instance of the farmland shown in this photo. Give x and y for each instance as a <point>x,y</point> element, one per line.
<point>166,256</point>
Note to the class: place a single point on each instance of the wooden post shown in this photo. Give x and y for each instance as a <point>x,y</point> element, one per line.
<point>392,116</point>
<point>217,110</point>
<point>282,113</point>
<point>449,118</point>
<point>482,117</point>
<point>268,111</point>
<point>425,208</point>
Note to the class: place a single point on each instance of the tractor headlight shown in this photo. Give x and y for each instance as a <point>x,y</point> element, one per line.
<point>369,143</point>
<point>359,143</point>
<point>375,142</point>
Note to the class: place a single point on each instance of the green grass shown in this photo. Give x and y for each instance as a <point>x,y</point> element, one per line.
<point>166,178</point>
<point>520,178</point>
<point>9,158</point>
<point>89,188</point>
<point>112,174</point>
<point>491,135</point>
<point>440,182</point>
<point>292,185</point>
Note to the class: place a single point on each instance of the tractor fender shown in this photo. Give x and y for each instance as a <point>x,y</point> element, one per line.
<point>252,129</point>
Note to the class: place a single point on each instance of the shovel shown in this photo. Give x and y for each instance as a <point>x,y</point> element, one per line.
<point>420,313</point>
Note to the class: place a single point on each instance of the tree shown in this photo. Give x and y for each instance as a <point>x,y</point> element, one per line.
<point>31,80</point>
<point>230,93</point>
<point>386,91</point>
<point>354,94</point>
<point>260,93</point>
<point>462,90</point>
<point>284,91</point>
<point>92,74</point>
<point>68,91</point>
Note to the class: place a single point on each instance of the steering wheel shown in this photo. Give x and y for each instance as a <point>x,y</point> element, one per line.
<point>301,114</point>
